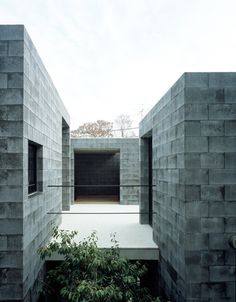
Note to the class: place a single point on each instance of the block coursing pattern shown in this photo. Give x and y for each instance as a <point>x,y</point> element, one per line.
<point>129,158</point>
<point>194,144</point>
<point>30,109</point>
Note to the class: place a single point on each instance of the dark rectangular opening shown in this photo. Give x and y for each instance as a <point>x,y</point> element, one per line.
<point>150,180</point>
<point>35,167</point>
<point>32,168</point>
<point>146,179</point>
<point>97,174</point>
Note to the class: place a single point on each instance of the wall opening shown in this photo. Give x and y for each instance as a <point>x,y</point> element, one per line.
<point>97,176</point>
<point>146,180</point>
<point>65,166</point>
<point>150,199</point>
<point>35,168</point>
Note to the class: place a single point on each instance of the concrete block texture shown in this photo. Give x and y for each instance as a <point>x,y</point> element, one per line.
<point>128,149</point>
<point>30,110</point>
<point>202,214</point>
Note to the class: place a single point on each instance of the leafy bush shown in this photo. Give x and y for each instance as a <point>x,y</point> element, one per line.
<point>90,274</point>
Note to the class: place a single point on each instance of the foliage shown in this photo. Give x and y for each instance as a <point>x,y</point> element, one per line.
<point>100,128</point>
<point>123,123</point>
<point>90,274</point>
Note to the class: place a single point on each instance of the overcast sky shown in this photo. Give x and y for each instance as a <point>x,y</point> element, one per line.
<point>108,57</point>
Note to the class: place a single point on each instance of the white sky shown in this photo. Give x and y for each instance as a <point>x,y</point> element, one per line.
<point>108,57</point>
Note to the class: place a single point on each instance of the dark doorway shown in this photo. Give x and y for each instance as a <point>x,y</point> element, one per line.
<point>146,180</point>
<point>97,176</point>
<point>150,180</point>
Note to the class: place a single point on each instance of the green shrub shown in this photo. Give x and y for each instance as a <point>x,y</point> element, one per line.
<point>90,274</point>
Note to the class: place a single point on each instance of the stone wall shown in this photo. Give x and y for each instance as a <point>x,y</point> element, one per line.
<point>194,143</point>
<point>129,168</point>
<point>11,162</point>
<point>31,110</point>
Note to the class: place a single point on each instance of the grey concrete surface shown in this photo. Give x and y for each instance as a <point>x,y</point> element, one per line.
<point>135,240</point>
<point>193,144</point>
<point>30,110</point>
<point>129,159</point>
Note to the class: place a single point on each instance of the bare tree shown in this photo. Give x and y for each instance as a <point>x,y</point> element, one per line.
<point>100,128</point>
<point>123,126</point>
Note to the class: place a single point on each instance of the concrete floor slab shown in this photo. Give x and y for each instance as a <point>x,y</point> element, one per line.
<point>135,240</point>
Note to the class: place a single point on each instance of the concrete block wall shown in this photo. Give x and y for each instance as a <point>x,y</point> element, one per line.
<point>11,163</point>
<point>129,155</point>
<point>194,144</point>
<point>33,112</point>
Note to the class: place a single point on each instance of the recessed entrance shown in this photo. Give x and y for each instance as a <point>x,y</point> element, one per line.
<point>97,176</point>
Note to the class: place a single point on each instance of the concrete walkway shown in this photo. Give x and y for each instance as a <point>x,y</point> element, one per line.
<point>135,240</point>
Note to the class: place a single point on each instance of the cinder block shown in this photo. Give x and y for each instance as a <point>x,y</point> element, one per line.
<point>196,79</point>
<point>11,32</point>
<point>196,209</point>
<point>212,128</point>
<point>180,160</point>
<point>14,243</point>
<point>222,112</point>
<point>230,128</point>
<point>230,208</point>
<point>196,144</point>
<point>172,161</point>
<point>230,95</point>
<point>11,260</point>
<point>3,112</point>
<point>3,48</point>
<point>222,273</point>
<point>222,176</point>
<point>212,193</point>
<point>16,48</point>
<point>212,160</point>
<point>222,79</point>
<point>11,194</point>
<point>196,273</point>
<point>3,177</point>
<point>177,146</point>
<point>204,95</point>
<point>10,291</point>
<point>11,64</point>
<point>218,241</point>
<point>213,291</point>
<point>196,112</point>
<point>230,160</point>
<point>192,160</point>
<point>15,145</point>
<point>217,209</point>
<point>15,80</point>
<point>212,225</point>
<point>230,224</point>
<point>3,80</point>
<point>14,276</point>
<point>11,96</point>
<point>193,225</point>
<point>192,258</point>
<point>192,192</point>
<point>230,192</point>
<point>229,257</point>
<point>194,176</point>
<point>212,258</point>
<point>15,177</point>
<point>192,128</point>
<point>222,144</point>
<point>11,226</point>
<point>3,245</point>
<point>178,86</point>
